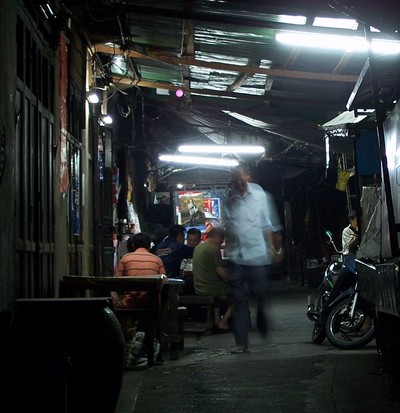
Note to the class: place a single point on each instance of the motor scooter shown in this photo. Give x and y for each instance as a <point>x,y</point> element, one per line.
<point>346,320</point>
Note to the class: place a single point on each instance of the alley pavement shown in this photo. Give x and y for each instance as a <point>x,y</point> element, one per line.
<point>284,373</point>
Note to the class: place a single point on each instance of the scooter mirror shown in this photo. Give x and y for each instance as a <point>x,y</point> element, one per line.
<point>329,234</point>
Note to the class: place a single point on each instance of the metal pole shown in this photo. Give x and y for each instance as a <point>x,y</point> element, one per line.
<point>355,136</point>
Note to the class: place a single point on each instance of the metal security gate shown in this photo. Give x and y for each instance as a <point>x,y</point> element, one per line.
<point>34,212</point>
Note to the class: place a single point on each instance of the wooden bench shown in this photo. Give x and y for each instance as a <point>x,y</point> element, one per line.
<point>209,303</point>
<point>149,318</point>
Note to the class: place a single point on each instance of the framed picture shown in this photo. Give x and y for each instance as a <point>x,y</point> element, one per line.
<point>191,208</point>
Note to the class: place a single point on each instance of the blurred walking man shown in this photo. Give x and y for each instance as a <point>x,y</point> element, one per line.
<point>253,243</point>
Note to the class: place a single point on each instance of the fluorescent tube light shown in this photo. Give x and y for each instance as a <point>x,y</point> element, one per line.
<point>385,46</point>
<point>198,160</point>
<point>284,18</point>
<point>250,149</point>
<point>321,41</point>
<point>350,24</point>
<point>333,42</point>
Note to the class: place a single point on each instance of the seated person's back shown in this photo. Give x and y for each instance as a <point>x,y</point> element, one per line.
<point>172,251</point>
<point>208,266</point>
<point>209,273</point>
<point>193,238</point>
<point>138,262</point>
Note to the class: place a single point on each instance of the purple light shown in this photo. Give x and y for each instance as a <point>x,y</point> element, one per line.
<point>179,93</point>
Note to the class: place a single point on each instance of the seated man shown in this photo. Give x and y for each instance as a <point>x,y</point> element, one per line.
<point>137,262</point>
<point>209,273</point>
<point>172,250</point>
<point>193,238</point>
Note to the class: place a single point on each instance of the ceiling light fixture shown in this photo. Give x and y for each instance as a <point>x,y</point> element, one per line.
<point>249,149</point>
<point>105,120</point>
<point>198,160</point>
<point>333,42</point>
<point>93,97</point>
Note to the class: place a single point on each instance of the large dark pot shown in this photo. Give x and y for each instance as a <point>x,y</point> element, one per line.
<point>64,355</point>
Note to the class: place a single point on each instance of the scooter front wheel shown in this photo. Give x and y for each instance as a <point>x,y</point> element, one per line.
<point>349,333</point>
<point>318,333</point>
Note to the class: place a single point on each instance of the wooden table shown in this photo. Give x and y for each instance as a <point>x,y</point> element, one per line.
<point>161,313</point>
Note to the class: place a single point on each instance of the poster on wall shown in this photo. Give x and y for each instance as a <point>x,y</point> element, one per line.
<point>191,208</point>
<point>211,208</point>
<point>200,209</point>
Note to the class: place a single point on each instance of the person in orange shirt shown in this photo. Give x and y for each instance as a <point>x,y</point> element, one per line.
<point>138,262</point>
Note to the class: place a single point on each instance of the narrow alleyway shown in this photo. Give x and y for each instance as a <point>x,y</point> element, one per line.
<point>285,373</point>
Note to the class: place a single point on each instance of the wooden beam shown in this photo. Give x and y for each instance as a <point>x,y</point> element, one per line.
<point>249,70</point>
<point>188,50</point>
<point>223,94</point>
<point>189,31</point>
<point>238,82</point>
<point>187,46</point>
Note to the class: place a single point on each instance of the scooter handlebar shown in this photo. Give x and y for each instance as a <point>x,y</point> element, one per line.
<point>330,236</point>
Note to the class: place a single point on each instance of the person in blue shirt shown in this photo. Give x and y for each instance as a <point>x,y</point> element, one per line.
<point>253,244</point>
<point>172,250</point>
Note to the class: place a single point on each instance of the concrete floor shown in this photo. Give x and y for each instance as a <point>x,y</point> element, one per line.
<point>284,373</point>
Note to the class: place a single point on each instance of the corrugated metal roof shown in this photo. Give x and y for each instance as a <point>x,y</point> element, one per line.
<point>225,56</point>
